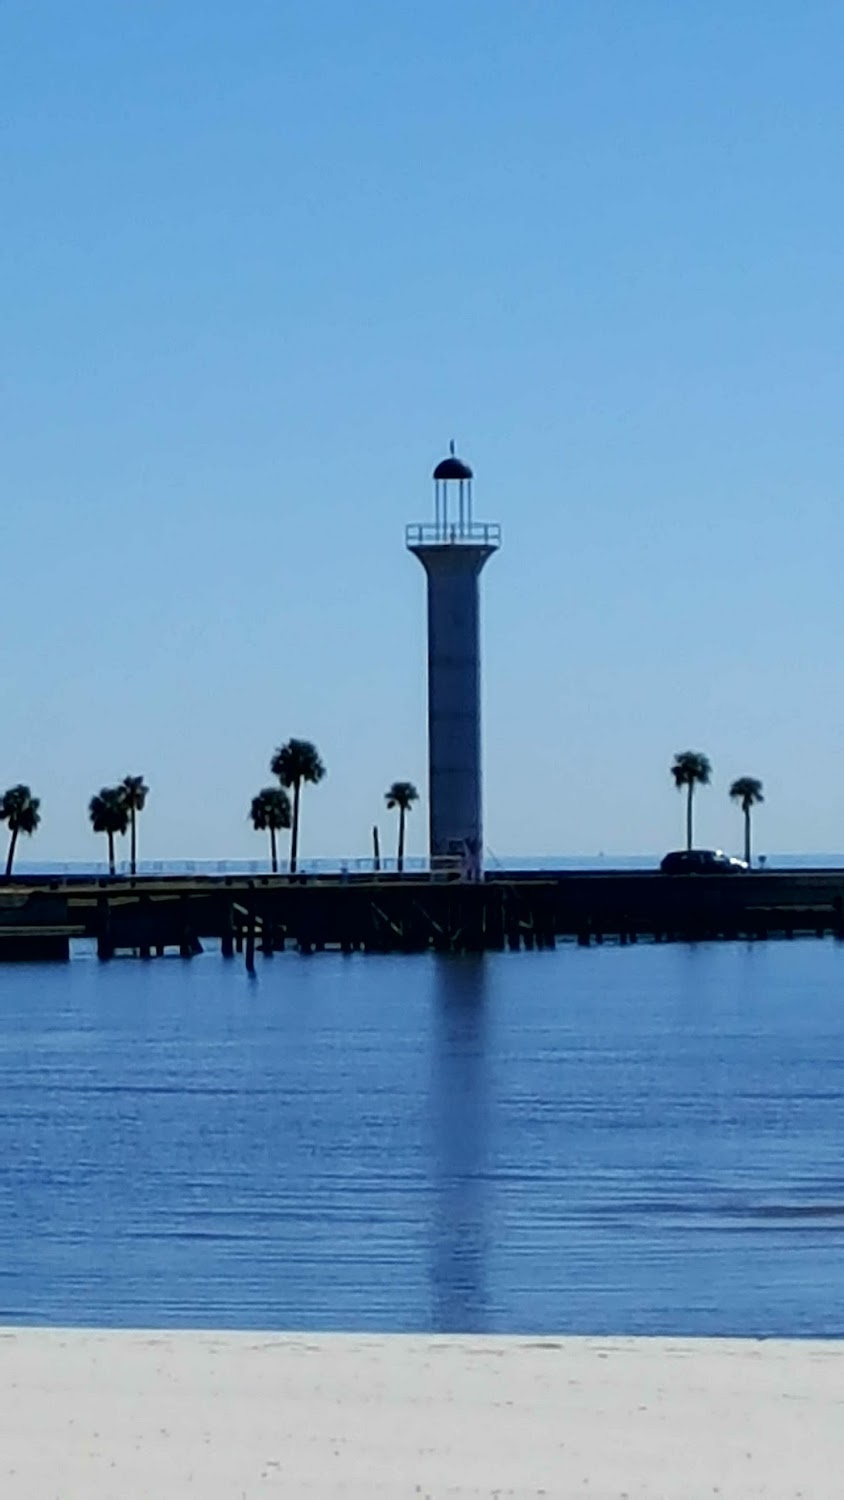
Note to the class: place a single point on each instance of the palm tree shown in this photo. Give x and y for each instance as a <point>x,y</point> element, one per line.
<point>109,814</point>
<point>135,794</point>
<point>271,810</point>
<point>748,791</point>
<point>19,809</point>
<point>293,763</point>
<point>689,770</point>
<point>402,794</point>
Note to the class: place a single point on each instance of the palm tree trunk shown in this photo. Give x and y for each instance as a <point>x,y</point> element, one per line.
<point>10,858</point>
<point>400,861</point>
<point>747,834</point>
<point>689,816</point>
<point>110,853</point>
<point>294,839</point>
<point>273,851</point>
<point>134,852</point>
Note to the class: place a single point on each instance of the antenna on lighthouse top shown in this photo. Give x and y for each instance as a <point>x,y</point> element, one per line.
<point>451,447</point>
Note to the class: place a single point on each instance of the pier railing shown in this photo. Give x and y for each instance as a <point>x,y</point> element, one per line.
<point>237,868</point>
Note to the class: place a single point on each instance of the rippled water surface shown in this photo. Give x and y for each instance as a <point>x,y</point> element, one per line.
<point>621,1140</point>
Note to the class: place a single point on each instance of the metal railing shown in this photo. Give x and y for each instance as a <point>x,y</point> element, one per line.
<point>453,534</point>
<point>416,865</point>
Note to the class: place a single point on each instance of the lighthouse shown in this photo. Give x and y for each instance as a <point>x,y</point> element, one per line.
<point>453,549</point>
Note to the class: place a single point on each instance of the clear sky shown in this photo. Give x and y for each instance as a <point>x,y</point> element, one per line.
<point>260,262</point>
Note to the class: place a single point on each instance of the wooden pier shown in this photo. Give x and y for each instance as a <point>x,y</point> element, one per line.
<point>151,915</point>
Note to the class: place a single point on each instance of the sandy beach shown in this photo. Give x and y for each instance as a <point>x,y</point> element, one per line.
<point>156,1416</point>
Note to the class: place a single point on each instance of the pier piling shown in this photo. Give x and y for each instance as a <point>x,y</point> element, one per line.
<point>250,943</point>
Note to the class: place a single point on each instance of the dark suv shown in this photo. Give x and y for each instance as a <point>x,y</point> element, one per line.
<point>701,862</point>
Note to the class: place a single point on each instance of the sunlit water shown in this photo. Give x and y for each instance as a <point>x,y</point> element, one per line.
<point>618,1140</point>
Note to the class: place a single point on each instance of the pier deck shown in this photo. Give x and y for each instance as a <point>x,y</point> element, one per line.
<point>388,913</point>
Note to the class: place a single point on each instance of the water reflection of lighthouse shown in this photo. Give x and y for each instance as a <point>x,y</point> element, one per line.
<point>453,549</point>
<point>461,1300</point>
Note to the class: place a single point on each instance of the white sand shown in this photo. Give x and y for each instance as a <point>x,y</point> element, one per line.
<point>152,1416</point>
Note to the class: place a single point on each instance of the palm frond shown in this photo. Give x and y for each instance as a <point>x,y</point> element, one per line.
<point>691,767</point>
<point>297,761</point>
<point>747,790</point>
<point>270,809</point>
<point>108,810</point>
<point>402,794</point>
<point>135,791</point>
<point>19,809</point>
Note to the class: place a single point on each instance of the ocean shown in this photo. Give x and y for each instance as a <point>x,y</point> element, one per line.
<point>638,1140</point>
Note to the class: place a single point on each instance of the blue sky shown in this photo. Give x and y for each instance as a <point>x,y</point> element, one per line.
<point>260,263</point>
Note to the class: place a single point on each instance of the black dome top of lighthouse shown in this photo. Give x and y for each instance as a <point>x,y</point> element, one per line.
<point>452,468</point>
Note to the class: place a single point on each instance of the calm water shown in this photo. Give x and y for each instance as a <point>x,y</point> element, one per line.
<point>637,1140</point>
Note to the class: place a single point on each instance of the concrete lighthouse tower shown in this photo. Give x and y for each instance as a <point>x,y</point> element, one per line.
<point>453,549</point>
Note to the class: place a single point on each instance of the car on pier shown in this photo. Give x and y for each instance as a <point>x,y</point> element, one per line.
<point>701,862</point>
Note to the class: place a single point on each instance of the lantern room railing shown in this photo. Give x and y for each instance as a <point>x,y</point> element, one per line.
<point>453,534</point>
